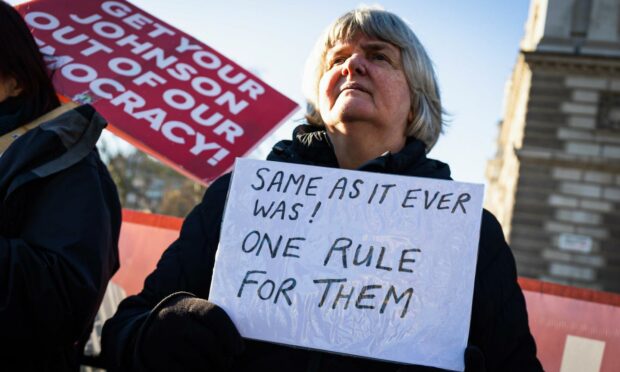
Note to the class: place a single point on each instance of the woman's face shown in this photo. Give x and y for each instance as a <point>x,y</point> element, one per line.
<point>365,82</point>
<point>8,88</point>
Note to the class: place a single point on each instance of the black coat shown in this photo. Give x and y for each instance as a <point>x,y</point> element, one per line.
<point>59,226</point>
<point>499,324</point>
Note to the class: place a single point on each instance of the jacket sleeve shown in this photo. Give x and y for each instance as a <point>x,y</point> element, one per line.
<point>499,324</point>
<point>55,265</point>
<point>186,266</point>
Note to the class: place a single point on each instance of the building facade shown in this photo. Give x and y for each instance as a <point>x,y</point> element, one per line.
<point>554,183</point>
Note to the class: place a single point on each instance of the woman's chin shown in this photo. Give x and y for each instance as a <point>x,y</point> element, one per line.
<point>354,112</point>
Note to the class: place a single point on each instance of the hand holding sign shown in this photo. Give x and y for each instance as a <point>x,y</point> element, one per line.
<point>359,263</point>
<point>203,333</point>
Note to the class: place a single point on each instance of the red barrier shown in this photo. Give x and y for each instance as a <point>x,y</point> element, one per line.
<point>576,329</point>
<point>144,237</point>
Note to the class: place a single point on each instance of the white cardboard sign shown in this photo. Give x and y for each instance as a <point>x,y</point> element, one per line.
<point>358,263</point>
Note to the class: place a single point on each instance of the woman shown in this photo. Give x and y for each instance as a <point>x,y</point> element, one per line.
<point>59,213</point>
<point>374,106</point>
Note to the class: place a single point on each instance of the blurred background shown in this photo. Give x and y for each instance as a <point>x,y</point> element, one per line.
<point>532,91</point>
<point>473,46</point>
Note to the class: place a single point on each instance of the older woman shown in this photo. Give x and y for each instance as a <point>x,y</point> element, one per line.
<point>373,106</point>
<point>59,213</point>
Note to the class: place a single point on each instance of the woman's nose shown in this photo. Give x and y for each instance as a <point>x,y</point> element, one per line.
<point>355,65</point>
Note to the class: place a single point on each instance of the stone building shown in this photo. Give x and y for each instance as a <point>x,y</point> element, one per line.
<point>555,181</point>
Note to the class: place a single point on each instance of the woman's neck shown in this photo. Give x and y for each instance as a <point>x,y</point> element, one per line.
<point>355,147</point>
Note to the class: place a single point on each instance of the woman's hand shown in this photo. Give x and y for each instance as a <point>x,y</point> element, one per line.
<point>187,333</point>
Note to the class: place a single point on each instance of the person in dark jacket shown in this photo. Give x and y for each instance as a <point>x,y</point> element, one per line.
<point>59,213</point>
<point>374,106</point>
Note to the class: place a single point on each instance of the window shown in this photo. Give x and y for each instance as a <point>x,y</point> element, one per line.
<point>609,111</point>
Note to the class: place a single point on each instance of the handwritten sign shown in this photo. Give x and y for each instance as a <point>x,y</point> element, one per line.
<point>358,263</point>
<point>159,88</point>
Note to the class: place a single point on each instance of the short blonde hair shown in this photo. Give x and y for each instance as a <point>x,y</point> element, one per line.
<point>427,123</point>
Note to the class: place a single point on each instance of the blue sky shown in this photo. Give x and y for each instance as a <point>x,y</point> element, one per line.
<point>473,44</point>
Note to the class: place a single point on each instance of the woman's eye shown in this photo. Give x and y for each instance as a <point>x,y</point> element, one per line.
<point>338,61</point>
<point>380,57</point>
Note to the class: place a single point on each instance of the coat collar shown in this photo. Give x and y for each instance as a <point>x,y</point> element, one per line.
<point>50,148</point>
<point>311,145</point>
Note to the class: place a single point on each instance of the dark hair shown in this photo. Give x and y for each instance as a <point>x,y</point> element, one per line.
<point>21,60</point>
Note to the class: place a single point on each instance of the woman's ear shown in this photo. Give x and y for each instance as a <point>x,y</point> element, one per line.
<point>14,90</point>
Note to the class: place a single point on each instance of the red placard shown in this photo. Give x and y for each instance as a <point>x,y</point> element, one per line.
<point>162,90</point>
